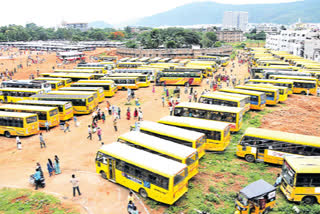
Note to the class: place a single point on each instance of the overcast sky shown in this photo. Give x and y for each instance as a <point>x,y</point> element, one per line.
<point>51,13</point>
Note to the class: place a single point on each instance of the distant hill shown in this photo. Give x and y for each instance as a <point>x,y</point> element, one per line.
<point>212,13</point>
<point>99,24</point>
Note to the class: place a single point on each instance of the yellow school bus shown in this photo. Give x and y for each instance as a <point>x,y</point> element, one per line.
<point>270,146</point>
<point>283,91</point>
<point>143,79</point>
<point>124,83</point>
<point>66,81</point>
<point>12,95</point>
<point>94,94</point>
<point>73,76</point>
<point>109,88</point>
<point>257,99</point>
<point>301,85</point>
<point>18,124</point>
<point>300,178</point>
<point>55,84</point>
<point>230,115</point>
<point>129,64</point>
<point>279,82</point>
<point>64,107</point>
<point>184,137</point>
<point>45,113</point>
<point>164,148</point>
<point>217,133</point>
<point>82,104</point>
<point>179,78</point>
<point>80,70</point>
<point>271,93</point>
<point>222,100</point>
<point>98,90</point>
<point>158,178</point>
<point>95,66</point>
<point>242,96</point>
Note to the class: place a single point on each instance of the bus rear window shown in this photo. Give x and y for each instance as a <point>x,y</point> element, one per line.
<point>180,177</point>
<point>90,99</point>
<point>32,119</point>
<point>67,106</point>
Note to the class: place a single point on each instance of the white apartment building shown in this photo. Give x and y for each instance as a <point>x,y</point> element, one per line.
<point>77,25</point>
<point>235,19</point>
<point>304,43</point>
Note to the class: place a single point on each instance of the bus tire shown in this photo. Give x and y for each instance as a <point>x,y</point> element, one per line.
<point>103,175</point>
<point>303,93</point>
<point>7,134</point>
<point>267,210</point>
<point>309,200</point>
<point>187,84</point>
<point>143,193</point>
<point>163,84</point>
<point>1,101</point>
<point>249,158</point>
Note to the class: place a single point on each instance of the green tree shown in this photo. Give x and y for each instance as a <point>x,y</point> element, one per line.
<point>131,44</point>
<point>171,44</point>
<point>261,36</point>
<point>206,43</point>
<point>217,44</point>
<point>212,36</point>
<point>253,31</point>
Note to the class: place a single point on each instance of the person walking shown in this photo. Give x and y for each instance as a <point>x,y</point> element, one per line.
<point>195,96</point>
<point>171,110</point>
<point>134,210</point>
<point>89,132</point>
<point>115,124</point>
<point>191,90</point>
<point>67,125</point>
<point>75,120</point>
<point>153,90</point>
<point>163,100</point>
<point>50,167</point>
<point>128,114</point>
<point>135,113</point>
<point>19,146</point>
<point>130,207</point>
<point>57,165</point>
<point>103,117</point>
<point>140,116</point>
<point>119,112</point>
<point>37,178</point>
<point>75,185</point>
<point>46,124</point>
<point>42,143</point>
<point>99,133</point>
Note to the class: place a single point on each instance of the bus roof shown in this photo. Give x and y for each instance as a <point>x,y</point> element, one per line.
<point>95,81</point>
<point>75,70</point>
<point>294,77</point>
<point>304,164</point>
<point>236,90</point>
<point>91,83</point>
<point>266,85</point>
<point>16,114</point>
<point>61,96</point>
<point>256,88</point>
<point>210,107</point>
<point>52,78</point>
<point>220,96</point>
<point>179,132</point>
<point>112,78</point>
<point>43,102</point>
<point>126,75</point>
<point>26,107</point>
<point>272,80</point>
<point>195,122</point>
<point>284,136</point>
<point>150,161</point>
<point>71,92</point>
<point>81,88</point>
<point>231,95</point>
<point>169,147</point>
<point>22,89</point>
<point>70,74</point>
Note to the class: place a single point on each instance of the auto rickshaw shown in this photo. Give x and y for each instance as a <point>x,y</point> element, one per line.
<point>258,197</point>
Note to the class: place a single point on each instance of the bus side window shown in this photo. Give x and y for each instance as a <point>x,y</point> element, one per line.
<point>303,180</point>
<point>315,180</point>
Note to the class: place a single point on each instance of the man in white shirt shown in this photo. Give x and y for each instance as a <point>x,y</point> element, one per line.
<point>75,185</point>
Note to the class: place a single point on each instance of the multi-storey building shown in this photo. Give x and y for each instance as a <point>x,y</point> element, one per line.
<point>235,19</point>
<point>230,35</point>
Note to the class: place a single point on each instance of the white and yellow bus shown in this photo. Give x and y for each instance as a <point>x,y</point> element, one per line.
<point>164,148</point>
<point>98,90</point>
<point>65,108</point>
<point>124,83</point>
<point>270,146</point>
<point>156,177</point>
<point>109,88</point>
<point>12,95</point>
<point>82,104</point>
<point>217,133</point>
<point>33,84</point>
<point>230,115</point>
<point>283,91</point>
<point>143,79</point>
<point>66,81</point>
<point>45,113</point>
<point>279,82</point>
<point>18,124</point>
<point>181,136</point>
<point>90,93</point>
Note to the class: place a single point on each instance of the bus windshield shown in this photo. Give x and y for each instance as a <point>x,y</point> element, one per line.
<point>32,119</point>
<point>288,173</point>
<point>180,177</point>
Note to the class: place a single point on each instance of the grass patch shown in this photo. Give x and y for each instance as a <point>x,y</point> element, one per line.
<point>26,201</point>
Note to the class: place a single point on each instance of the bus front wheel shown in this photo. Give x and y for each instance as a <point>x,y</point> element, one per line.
<point>187,84</point>
<point>303,93</point>
<point>309,200</point>
<point>103,175</point>
<point>7,134</point>
<point>249,158</point>
<point>143,193</point>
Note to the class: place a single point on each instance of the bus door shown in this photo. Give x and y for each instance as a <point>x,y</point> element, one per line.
<point>111,169</point>
<point>260,152</point>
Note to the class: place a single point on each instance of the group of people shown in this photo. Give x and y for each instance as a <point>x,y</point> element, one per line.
<point>137,113</point>
<point>53,169</point>
<point>132,209</point>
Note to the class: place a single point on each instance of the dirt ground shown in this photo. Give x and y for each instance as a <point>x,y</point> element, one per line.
<point>77,153</point>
